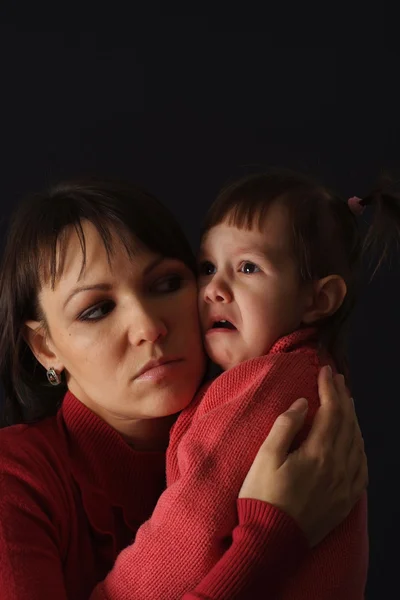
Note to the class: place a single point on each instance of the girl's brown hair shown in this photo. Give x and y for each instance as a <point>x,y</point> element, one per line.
<point>34,252</point>
<point>326,236</point>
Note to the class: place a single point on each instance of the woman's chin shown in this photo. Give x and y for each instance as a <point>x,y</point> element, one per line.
<point>171,401</point>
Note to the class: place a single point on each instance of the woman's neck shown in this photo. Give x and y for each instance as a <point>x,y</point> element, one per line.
<point>148,435</point>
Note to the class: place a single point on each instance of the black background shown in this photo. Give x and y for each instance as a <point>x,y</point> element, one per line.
<point>179,101</point>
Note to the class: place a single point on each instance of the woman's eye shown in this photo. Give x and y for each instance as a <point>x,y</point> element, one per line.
<point>248,268</point>
<point>168,284</point>
<point>207,268</point>
<point>97,312</point>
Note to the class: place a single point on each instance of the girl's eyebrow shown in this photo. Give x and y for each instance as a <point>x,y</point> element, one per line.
<point>272,255</point>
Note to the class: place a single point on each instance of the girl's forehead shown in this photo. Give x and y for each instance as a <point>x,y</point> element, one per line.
<point>272,231</point>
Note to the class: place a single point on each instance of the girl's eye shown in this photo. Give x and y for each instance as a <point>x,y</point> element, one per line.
<point>248,268</point>
<point>97,312</point>
<point>207,268</point>
<point>168,284</point>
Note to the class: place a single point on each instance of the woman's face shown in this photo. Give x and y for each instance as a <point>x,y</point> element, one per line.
<point>106,327</point>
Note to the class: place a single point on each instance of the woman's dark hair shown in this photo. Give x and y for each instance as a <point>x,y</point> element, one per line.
<point>326,236</point>
<point>34,253</point>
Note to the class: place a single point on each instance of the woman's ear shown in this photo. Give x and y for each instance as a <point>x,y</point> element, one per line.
<point>327,297</point>
<point>37,339</point>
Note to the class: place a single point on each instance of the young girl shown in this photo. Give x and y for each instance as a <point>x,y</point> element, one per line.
<point>279,261</point>
<point>278,267</point>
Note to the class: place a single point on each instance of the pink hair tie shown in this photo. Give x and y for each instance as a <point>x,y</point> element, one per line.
<point>355,205</point>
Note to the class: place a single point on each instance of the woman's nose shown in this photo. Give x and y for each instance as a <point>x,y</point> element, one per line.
<point>146,327</point>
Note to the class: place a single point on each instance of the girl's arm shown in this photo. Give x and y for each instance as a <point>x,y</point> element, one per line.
<point>31,565</point>
<point>267,541</point>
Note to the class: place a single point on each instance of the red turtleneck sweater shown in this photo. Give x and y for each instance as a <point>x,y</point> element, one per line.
<point>212,446</point>
<point>73,495</point>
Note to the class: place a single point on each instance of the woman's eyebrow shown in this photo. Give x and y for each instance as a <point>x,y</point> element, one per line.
<point>107,287</point>
<point>103,287</point>
<point>154,263</point>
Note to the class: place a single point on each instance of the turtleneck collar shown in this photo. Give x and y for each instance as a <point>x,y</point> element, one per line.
<point>103,463</point>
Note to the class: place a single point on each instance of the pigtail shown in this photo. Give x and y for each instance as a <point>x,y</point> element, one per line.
<point>384,231</point>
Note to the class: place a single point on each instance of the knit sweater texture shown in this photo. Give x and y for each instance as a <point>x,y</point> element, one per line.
<point>73,495</point>
<point>212,447</point>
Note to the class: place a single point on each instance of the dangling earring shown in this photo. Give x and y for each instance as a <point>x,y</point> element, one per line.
<point>53,376</point>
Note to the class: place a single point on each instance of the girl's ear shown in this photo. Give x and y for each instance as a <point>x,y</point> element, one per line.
<point>327,297</point>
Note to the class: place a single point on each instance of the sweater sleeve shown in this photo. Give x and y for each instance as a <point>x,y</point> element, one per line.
<point>241,572</point>
<point>30,562</point>
<point>245,567</point>
<point>192,526</point>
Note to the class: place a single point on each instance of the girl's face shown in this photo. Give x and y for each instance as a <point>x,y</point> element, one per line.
<point>250,292</point>
<point>126,332</point>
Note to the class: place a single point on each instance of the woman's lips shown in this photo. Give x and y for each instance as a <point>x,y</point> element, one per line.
<point>158,370</point>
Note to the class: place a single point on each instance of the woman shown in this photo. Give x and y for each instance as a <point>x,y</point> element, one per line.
<point>98,292</point>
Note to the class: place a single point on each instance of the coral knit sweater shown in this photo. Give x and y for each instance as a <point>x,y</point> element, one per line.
<point>72,496</point>
<point>212,446</point>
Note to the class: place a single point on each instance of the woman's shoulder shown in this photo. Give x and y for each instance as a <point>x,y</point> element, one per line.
<point>37,493</point>
<point>35,454</point>
<point>21,438</point>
